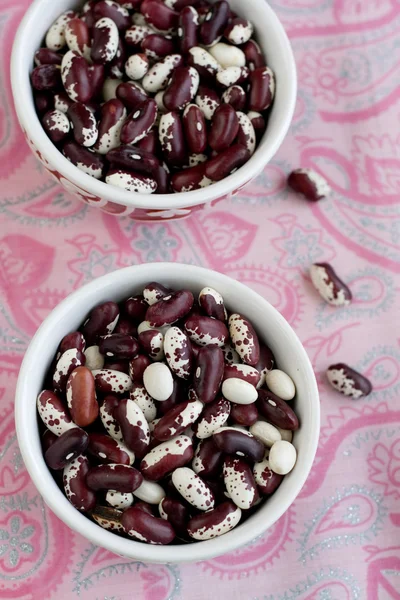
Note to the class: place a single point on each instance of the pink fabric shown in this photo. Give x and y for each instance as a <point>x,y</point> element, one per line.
<point>341,538</point>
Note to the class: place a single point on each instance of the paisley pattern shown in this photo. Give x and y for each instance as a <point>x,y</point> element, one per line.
<point>52,243</point>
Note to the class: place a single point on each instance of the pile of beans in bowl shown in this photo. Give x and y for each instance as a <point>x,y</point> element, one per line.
<point>166,417</point>
<point>153,96</point>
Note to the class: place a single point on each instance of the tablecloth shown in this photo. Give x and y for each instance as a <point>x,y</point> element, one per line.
<point>341,538</point>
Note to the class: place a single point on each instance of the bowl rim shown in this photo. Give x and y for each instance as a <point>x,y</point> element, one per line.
<point>32,126</point>
<point>42,478</point>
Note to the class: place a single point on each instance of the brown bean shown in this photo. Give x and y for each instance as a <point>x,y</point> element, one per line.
<point>145,528</point>
<point>126,327</point>
<point>75,487</point>
<point>81,397</point>
<point>121,478</point>
<point>276,410</point>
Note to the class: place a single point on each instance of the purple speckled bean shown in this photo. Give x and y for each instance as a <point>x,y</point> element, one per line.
<point>267,481</point>
<point>110,424</point>
<point>57,125</point>
<point>188,29</point>
<point>214,523</point>
<point>235,96</point>
<point>254,56</point>
<point>212,418</point>
<point>68,361</point>
<point>113,115</point>
<point>194,125</point>
<point>66,448</point>
<point>265,363</point>
<point>244,339</point>
<point>152,342</point>
<point>159,15</point>
<point>176,513</point>
<point>137,367</point>
<point>239,482</point>
<point>113,11</point>
<point>179,395</point>
<point>347,381</point>
<point>105,41</point>
<point>72,340</point>
<point>182,88</point>
<point>190,179</point>
<point>207,100</point>
<point>54,413</point>
<point>167,457</point>
<point>154,291</point>
<point>178,352</point>
<point>157,46</point>
<point>172,139</point>
<point>131,94</point>
<point>112,382</point>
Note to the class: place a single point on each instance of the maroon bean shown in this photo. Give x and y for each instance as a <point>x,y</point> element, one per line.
<point>134,159</point>
<point>176,513</point>
<point>132,182</point>
<point>235,96</point>
<point>237,441</point>
<point>347,381</point>
<point>47,440</point>
<point>135,35</point>
<point>159,15</point>
<point>267,481</point>
<point>75,487</point>
<point>262,89</point>
<point>87,161</point>
<point>227,162</point>
<point>117,65</point>
<point>112,382</point>
<point>145,507</point>
<point>215,22</point>
<point>208,101</point>
<point>190,179</point>
<point>176,420</point>
<point>276,411</point>
<point>72,340</point>
<point>153,292</point>
<point>170,309</point>
<point>108,450</point>
<point>97,78</point>
<point>224,128</point>
<point>139,122</point>
<point>212,418</point>
<point>84,124</point>
<point>212,303</point>
<point>232,76</point>
<point>205,331</point>
<point>110,424</point>
<point>134,426</point>
<point>56,125</point>
<point>178,352</point>
<point>44,102</point>
<point>135,306</point>
<point>54,413</point>
<point>265,363</point>
<point>244,414</point>
<point>121,478</point>
<point>150,143</point>
<point>105,41</point>
<point>179,395</point>
<point>126,326</point>
<point>258,122</point>
<point>172,139</point>
<point>62,102</point>
<point>68,361</point>
<point>75,77</point>
<point>188,29</point>
<point>179,4</point>
<point>66,448</point>
<point>117,365</point>
<point>151,341</point>
<point>167,457</point>
<point>137,366</point>
<point>157,46</point>
<point>214,522</point>
<point>45,56</point>
<point>182,88</point>
<point>131,94</point>
<point>108,518</point>
<point>238,31</point>
<point>46,77</point>
<point>140,525</point>
<point>254,56</point>
<point>194,125</point>
<point>244,372</point>
<point>207,461</point>
<point>101,321</point>
<point>161,175</point>
<point>113,11</point>
<point>239,482</point>
<point>119,345</point>
<point>77,36</point>
<point>113,114</point>
<point>88,13</point>
<point>81,397</point>
<point>208,373</point>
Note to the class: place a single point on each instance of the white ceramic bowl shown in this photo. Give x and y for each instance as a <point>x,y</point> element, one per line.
<point>273,41</point>
<point>271,326</point>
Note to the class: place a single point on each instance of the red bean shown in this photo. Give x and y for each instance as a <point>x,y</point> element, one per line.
<point>72,340</point>
<point>167,457</point>
<point>115,12</point>
<point>214,24</point>
<point>266,362</point>
<point>66,448</point>
<point>56,125</point>
<point>142,526</point>
<point>244,414</point>
<point>254,56</point>
<point>101,321</point>
<point>244,372</point>
<point>172,139</point>
<point>235,96</point>
<point>97,77</point>
<point>105,41</point>
<point>150,143</point>
<point>84,124</point>
<point>227,162</point>
<point>190,179</point>
<point>139,122</point>
<point>131,94</point>
<point>159,15</point>
<point>81,397</point>
<point>121,478</point>
<point>119,345</point>
<point>108,450</point>
<point>208,373</point>
<point>276,410</point>
<point>87,161</point>
<point>170,309</point>
<point>194,125</point>
<point>135,306</point>
<point>157,46</point>
<point>76,78</point>
<point>224,128</point>
<point>45,56</point>
<point>75,487</point>
<point>237,441</point>
<point>188,29</point>
<point>161,175</point>
<point>134,427</point>
<point>182,88</point>
<point>46,77</point>
<point>262,89</point>
<point>145,507</point>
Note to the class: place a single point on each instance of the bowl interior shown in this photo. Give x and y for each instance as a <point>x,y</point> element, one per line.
<point>274,43</point>
<point>272,329</point>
